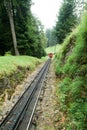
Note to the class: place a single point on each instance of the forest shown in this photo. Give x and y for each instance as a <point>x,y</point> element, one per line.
<point>20,31</point>
<point>22,34</point>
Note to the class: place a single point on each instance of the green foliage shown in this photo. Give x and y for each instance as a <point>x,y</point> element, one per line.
<point>8,53</point>
<point>51,37</point>
<point>29,32</point>
<point>64,86</point>
<point>5,33</point>
<point>71,66</point>
<point>36,37</point>
<point>66,20</point>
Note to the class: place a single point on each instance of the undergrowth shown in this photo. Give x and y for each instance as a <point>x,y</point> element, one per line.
<point>71,67</point>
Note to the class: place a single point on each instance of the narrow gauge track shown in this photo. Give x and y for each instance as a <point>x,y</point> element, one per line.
<point>20,117</point>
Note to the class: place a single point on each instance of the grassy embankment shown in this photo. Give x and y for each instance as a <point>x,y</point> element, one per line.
<point>13,69</point>
<point>71,69</point>
<point>53,49</point>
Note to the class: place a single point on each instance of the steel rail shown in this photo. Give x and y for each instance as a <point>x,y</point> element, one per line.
<point>26,121</point>
<point>15,116</point>
<point>31,104</point>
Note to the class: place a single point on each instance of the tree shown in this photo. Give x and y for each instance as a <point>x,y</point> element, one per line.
<point>29,31</point>
<point>21,16</point>
<point>48,35</point>
<point>5,32</point>
<point>51,38</point>
<point>36,42</point>
<point>8,6</point>
<point>66,19</point>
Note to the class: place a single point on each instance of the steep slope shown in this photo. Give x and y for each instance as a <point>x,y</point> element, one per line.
<point>71,68</point>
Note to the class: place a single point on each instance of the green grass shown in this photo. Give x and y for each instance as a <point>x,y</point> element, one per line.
<point>9,64</point>
<point>53,49</point>
<point>13,71</point>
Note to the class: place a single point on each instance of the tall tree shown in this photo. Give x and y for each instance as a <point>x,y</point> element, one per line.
<point>8,5</point>
<point>48,35</point>
<point>51,38</point>
<point>36,41</point>
<point>29,31</point>
<point>5,32</point>
<point>22,13</point>
<point>66,19</point>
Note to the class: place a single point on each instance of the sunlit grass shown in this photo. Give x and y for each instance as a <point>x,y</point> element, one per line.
<point>53,49</point>
<point>9,64</point>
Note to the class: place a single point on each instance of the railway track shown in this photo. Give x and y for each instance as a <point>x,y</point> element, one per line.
<point>20,117</point>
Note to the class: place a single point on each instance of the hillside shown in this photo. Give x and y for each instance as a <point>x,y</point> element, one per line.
<point>71,71</point>
<point>13,69</point>
<point>53,49</point>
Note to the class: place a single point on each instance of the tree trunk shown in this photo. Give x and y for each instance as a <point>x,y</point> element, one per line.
<point>8,6</point>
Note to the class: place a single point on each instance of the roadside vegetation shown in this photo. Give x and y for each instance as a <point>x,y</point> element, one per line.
<point>71,70</point>
<point>13,69</point>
